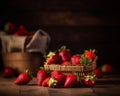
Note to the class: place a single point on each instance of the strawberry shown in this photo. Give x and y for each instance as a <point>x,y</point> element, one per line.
<point>10,27</point>
<point>71,80</point>
<point>22,31</point>
<point>53,58</point>
<point>66,63</point>
<point>57,78</point>
<point>107,68</point>
<point>23,78</point>
<point>75,59</point>
<point>89,80</point>
<point>8,72</point>
<point>65,53</point>
<point>90,54</point>
<point>98,73</point>
<point>41,75</point>
<point>84,60</point>
<point>45,81</point>
<point>55,72</point>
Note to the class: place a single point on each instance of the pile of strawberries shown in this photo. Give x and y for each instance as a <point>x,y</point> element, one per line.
<point>18,30</point>
<point>63,56</point>
<point>56,79</point>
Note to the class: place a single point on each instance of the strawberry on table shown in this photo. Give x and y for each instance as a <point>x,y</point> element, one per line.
<point>41,75</point>
<point>98,73</point>
<point>107,68</point>
<point>45,81</point>
<point>75,59</point>
<point>71,80</point>
<point>23,78</point>
<point>90,54</point>
<point>65,53</point>
<point>57,79</point>
<point>89,80</point>
<point>55,72</point>
<point>8,72</point>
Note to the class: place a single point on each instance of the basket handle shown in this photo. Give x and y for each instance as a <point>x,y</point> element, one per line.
<point>43,33</point>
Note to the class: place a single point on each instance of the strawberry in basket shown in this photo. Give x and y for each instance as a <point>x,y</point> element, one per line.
<point>90,54</point>
<point>65,53</point>
<point>53,58</point>
<point>10,27</point>
<point>75,59</point>
<point>21,31</point>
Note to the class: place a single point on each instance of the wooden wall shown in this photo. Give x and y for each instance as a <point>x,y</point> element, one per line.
<point>79,24</point>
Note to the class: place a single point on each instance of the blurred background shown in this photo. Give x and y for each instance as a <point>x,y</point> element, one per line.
<point>78,24</point>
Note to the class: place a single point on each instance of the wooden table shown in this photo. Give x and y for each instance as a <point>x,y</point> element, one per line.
<point>109,85</point>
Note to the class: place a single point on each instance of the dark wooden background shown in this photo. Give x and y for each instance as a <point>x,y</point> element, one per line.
<point>79,24</point>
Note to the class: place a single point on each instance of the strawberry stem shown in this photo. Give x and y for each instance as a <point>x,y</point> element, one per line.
<point>52,82</point>
<point>30,73</point>
<point>63,48</point>
<point>50,54</point>
<point>85,60</point>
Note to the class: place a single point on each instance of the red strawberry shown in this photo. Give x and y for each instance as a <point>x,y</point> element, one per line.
<point>89,80</point>
<point>23,78</point>
<point>98,73</point>
<point>90,54</point>
<point>53,58</point>
<point>107,69</point>
<point>22,31</point>
<point>45,81</point>
<point>8,72</point>
<point>10,28</point>
<point>75,59</point>
<point>55,72</point>
<point>57,78</point>
<point>70,81</point>
<point>41,75</point>
<point>65,53</point>
<point>65,62</point>
<point>84,60</point>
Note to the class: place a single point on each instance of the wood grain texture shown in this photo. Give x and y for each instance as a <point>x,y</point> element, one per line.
<point>109,85</point>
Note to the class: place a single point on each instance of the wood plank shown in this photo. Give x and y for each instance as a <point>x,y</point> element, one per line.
<point>110,91</point>
<point>8,88</point>
<point>32,89</point>
<point>109,85</point>
<point>71,92</point>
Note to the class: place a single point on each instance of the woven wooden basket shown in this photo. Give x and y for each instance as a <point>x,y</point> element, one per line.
<point>22,61</point>
<point>79,70</point>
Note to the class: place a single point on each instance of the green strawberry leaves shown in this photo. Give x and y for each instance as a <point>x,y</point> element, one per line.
<point>84,60</point>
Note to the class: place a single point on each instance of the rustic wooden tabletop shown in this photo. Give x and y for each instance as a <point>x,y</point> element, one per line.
<point>109,85</point>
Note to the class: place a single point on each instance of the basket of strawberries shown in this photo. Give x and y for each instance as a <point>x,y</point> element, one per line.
<point>62,60</point>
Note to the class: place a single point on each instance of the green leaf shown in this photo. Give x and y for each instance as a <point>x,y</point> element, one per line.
<point>85,60</point>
